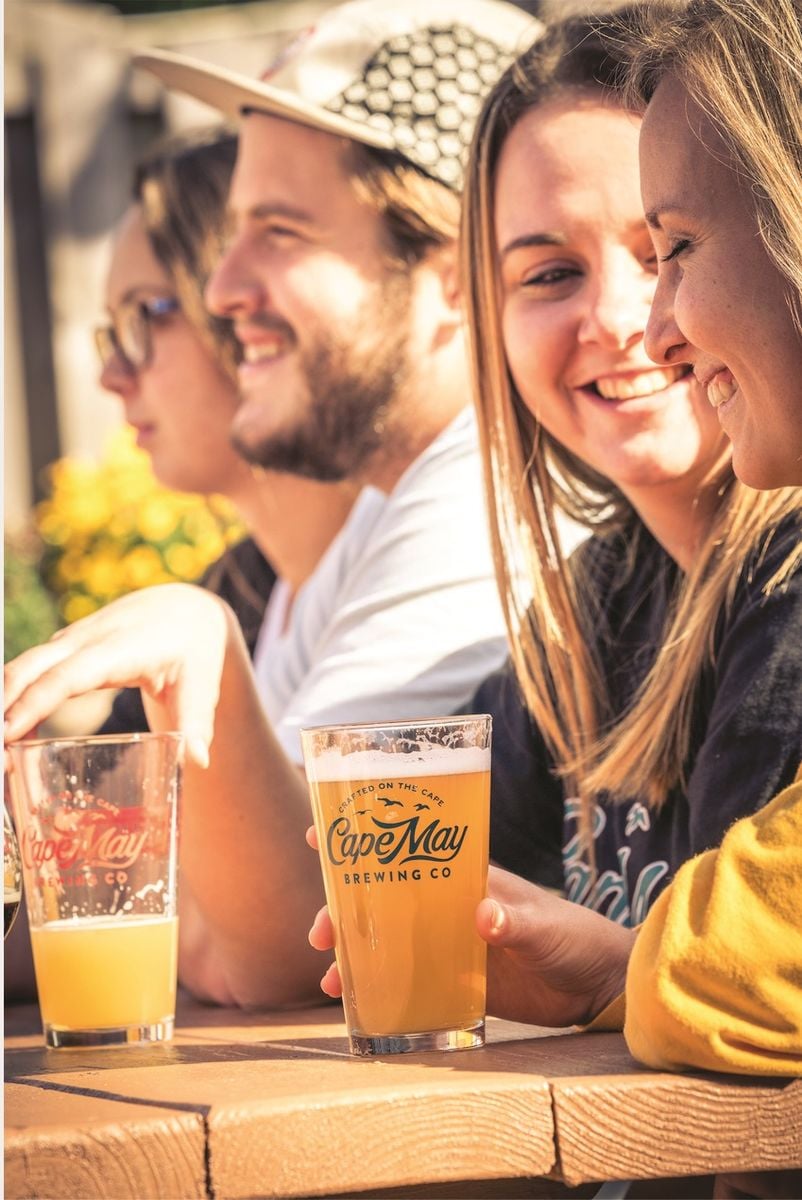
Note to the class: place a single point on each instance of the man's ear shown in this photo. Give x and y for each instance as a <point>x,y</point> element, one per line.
<point>445,261</point>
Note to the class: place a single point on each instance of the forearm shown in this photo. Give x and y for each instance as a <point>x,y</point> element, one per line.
<point>249,886</point>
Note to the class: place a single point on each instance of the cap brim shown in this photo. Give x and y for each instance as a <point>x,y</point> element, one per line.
<point>232,94</point>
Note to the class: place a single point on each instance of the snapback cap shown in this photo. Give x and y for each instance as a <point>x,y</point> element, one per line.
<point>401,75</point>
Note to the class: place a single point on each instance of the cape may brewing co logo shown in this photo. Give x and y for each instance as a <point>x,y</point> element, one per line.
<point>84,845</point>
<point>392,832</point>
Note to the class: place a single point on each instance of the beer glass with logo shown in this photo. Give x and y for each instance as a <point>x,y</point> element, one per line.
<point>402,819</point>
<point>96,819</point>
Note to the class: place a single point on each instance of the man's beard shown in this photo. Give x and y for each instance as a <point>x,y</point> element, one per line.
<point>352,383</point>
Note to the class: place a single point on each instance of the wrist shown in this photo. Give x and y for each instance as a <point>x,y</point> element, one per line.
<point>613,983</point>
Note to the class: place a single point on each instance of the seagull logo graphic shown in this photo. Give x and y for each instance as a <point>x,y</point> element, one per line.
<point>637,818</point>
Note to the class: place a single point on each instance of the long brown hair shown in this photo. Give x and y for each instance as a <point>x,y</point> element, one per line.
<point>182,188</point>
<point>550,606</point>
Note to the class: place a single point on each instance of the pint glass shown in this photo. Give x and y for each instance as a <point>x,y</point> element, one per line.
<point>402,819</point>
<point>96,819</point>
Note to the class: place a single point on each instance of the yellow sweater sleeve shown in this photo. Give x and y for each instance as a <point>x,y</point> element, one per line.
<point>715,977</point>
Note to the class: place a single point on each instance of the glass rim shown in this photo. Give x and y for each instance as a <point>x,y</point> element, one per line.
<point>102,739</point>
<point>409,723</point>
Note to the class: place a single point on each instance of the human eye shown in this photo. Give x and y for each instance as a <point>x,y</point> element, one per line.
<point>680,245</point>
<point>280,232</point>
<point>549,278</point>
<point>157,308</point>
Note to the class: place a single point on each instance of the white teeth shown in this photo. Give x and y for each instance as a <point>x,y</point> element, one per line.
<point>644,384</point>
<point>719,390</point>
<point>253,353</point>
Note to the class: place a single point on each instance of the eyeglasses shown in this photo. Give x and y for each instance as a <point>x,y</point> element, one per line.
<point>128,335</point>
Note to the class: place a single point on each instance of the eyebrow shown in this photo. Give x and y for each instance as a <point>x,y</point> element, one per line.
<point>260,212</point>
<point>532,239</point>
<point>654,214</point>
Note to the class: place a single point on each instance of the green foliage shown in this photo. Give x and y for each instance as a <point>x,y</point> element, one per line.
<point>30,612</point>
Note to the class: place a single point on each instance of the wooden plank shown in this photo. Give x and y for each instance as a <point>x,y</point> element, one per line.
<point>289,1112</point>
<point>81,1147</point>
<point>244,1105</point>
<point>428,1132</point>
<point>660,1125</point>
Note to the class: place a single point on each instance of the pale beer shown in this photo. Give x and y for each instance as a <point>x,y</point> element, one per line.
<point>404,847</point>
<point>102,973</point>
<point>97,821</point>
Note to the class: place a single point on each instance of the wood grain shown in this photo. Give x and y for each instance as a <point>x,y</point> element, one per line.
<point>258,1105</point>
<point>658,1125</point>
<point>289,1112</point>
<point>65,1146</point>
<point>428,1132</point>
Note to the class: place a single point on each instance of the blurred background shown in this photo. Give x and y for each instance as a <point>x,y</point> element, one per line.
<point>84,519</point>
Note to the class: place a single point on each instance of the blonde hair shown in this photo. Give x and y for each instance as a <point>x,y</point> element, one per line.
<point>182,188</point>
<point>741,62</point>
<point>419,214</point>
<point>551,607</point>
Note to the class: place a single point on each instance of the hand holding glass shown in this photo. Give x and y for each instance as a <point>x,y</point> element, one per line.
<point>97,829</point>
<point>402,819</point>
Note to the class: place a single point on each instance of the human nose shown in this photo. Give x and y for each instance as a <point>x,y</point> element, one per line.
<point>663,340</point>
<point>117,376</point>
<point>233,288</point>
<point>618,307</point>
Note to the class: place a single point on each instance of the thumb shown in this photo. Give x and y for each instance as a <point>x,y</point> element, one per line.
<point>505,925</point>
<point>493,922</point>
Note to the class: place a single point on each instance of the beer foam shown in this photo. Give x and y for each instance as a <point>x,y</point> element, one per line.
<point>333,767</point>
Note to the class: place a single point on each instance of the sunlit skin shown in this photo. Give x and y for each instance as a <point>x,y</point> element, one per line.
<point>307,264</point>
<point>721,303</point>
<point>182,404</point>
<point>546,955</point>
<point>578,274</point>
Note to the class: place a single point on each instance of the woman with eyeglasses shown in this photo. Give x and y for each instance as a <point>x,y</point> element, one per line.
<point>173,366</point>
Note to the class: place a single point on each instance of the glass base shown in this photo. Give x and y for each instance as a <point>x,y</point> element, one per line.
<point>410,1043</point>
<point>96,1039</point>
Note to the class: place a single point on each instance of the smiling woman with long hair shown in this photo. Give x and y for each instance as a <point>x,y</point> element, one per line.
<point>655,691</point>
<point>642,718</point>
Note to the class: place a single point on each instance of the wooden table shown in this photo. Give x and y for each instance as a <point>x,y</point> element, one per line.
<point>255,1105</point>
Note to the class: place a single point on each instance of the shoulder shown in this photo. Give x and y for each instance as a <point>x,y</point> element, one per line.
<point>775,561</point>
<point>244,578</point>
<point>767,591</point>
<point>449,467</point>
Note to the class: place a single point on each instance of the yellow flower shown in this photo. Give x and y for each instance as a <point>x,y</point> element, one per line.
<point>157,518</point>
<point>75,607</point>
<point>142,567</point>
<point>110,528</point>
<point>69,568</point>
<point>102,575</point>
<point>184,561</point>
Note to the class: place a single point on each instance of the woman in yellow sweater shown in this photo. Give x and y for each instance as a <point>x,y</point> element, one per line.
<point>715,978</point>
<point>714,974</point>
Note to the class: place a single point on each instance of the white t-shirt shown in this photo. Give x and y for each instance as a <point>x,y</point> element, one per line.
<point>401,616</point>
